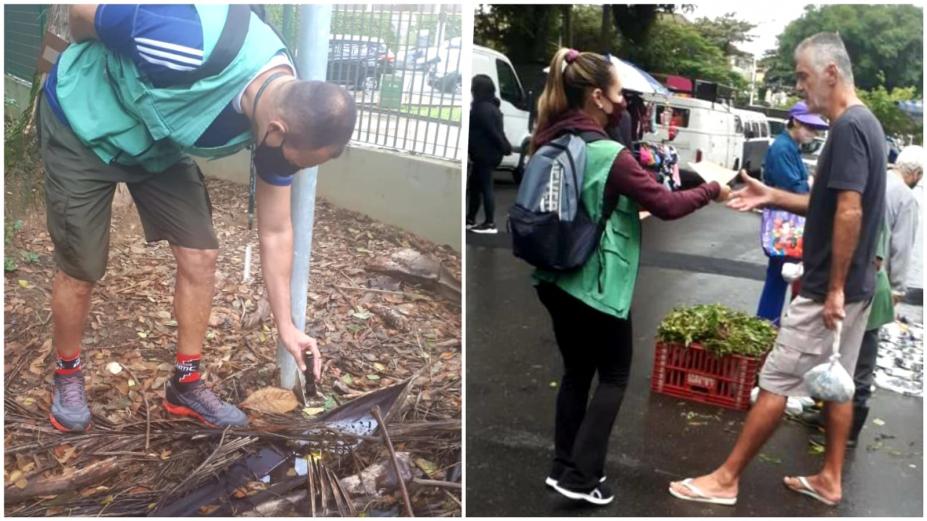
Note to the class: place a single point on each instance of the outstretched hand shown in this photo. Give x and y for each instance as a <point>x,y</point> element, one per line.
<point>754,194</point>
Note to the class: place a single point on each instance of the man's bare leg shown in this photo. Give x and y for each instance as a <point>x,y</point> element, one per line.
<point>761,423</point>
<point>70,307</point>
<point>828,482</point>
<point>196,276</point>
<point>193,292</point>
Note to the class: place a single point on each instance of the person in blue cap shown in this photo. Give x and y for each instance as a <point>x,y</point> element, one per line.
<point>783,169</point>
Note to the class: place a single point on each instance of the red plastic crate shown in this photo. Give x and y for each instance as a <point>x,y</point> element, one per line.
<point>693,373</point>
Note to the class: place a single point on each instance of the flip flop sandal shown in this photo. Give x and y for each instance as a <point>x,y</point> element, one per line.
<point>809,491</point>
<point>701,497</point>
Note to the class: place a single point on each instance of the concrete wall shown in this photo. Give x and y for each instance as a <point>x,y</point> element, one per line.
<point>18,91</point>
<point>416,194</point>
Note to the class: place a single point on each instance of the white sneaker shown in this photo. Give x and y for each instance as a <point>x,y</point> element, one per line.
<point>485,228</point>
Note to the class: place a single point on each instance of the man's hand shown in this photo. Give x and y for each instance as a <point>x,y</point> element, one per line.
<point>754,194</point>
<point>296,342</point>
<point>897,297</point>
<point>834,310</point>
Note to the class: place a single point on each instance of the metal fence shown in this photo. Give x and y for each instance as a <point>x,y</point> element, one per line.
<point>402,63</point>
<point>23,26</point>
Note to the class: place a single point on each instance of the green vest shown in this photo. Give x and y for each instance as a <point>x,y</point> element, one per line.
<point>882,310</point>
<point>124,119</point>
<point>606,281</point>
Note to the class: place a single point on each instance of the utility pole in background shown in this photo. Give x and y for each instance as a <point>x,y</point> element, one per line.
<point>312,61</point>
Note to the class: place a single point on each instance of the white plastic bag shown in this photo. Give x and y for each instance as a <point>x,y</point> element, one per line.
<point>830,381</point>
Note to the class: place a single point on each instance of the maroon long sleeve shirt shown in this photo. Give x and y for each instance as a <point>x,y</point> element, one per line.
<point>627,177</point>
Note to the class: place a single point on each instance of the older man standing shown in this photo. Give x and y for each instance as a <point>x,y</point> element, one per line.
<point>895,248</point>
<point>844,216</point>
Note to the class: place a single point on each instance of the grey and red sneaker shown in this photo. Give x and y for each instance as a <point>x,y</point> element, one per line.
<point>69,411</point>
<point>199,402</point>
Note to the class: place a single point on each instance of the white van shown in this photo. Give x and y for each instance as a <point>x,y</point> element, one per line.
<point>515,107</point>
<point>706,131</point>
<point>756,141</point>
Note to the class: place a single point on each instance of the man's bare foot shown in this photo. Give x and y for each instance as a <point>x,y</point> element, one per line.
<point>818,485</point>
<point>710,485</point>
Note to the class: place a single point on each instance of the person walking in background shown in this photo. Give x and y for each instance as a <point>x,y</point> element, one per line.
<point>783,169</point>
<point>893,257</point>
<point>844,216</point>
<point>590,307</point>
<point>486,148</point>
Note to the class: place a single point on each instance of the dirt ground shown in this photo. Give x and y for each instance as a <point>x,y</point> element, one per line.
<point>374,331</point>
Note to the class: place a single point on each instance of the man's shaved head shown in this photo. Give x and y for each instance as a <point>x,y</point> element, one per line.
<point>317,114</point>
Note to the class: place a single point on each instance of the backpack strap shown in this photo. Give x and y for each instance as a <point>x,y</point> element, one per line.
<point>229,44</point>
<point>591,136</point>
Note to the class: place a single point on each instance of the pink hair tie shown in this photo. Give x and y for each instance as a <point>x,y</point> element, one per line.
<point>571,55</point>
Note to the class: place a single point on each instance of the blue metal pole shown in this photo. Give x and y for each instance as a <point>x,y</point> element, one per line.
<point>312,60</point>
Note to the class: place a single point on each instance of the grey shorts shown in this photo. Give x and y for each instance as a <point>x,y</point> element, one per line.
<point>173,205</point>
<point>805,342</point>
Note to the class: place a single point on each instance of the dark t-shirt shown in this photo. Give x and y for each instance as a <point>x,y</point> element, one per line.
<point>853,159</point>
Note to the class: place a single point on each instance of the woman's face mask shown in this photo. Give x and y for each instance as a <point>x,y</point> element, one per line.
<point>614,117</point>
<point>615,99</point>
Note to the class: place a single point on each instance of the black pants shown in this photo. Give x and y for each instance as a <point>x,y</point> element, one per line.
<point>590,343</point>
<point>863,377</point>
<point>479,184</point>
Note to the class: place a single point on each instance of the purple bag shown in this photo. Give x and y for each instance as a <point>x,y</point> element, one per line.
<point>782,233</point>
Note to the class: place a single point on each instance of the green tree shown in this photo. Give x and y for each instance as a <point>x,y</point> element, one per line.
<point>524,33</point>
<point>725,32</point>
<point>588,33</point>
<point>884,105</point>
<point>885,43</point>
<point>635,21</point>
<point>676,47</point>
<point>531,33</point>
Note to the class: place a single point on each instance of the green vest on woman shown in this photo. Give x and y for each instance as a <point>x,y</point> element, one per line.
<point>606,281</point>
<point>124,119</point>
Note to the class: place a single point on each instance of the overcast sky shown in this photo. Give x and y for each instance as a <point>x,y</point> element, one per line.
<point>770,18</point>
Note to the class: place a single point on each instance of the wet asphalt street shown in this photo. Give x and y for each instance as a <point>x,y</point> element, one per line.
<point>712,256</point>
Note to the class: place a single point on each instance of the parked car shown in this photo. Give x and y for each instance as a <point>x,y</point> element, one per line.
<point>515,106</point>
<point>358,61</point>
<point>704,131</point>
<point>756,141</point>
<point>449,83</point>
<point>776,127</point>
<point>811,152</point>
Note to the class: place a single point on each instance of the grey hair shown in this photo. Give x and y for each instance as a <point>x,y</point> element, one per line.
<point>827,48</point>
<point>910,161</point>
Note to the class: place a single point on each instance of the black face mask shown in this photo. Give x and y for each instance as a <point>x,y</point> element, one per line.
<point>271,161</point>
<point>614,117</point>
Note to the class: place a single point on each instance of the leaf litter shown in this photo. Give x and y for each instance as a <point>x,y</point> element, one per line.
<point>374,331</point>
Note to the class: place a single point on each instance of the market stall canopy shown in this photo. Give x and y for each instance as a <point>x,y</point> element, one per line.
<point>635,79</point>
<point>679,83</point>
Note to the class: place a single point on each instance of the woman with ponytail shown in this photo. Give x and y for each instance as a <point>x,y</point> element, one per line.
<point>590,306</point>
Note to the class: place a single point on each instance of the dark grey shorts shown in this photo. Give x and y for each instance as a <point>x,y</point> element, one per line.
<point>173,205</point>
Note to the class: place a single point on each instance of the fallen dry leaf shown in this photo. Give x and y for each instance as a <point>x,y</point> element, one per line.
<point>271,399</point>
